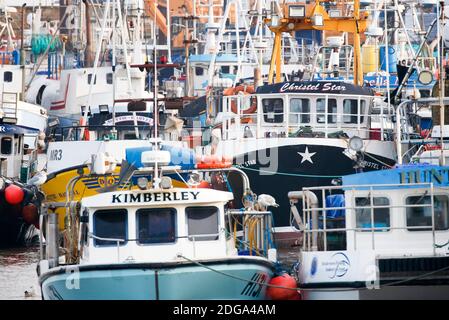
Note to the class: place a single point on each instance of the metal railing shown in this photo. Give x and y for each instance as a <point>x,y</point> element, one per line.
<point>255,230</point>
<point>73,133</point>
<point>117,241</point>
<point>309,213</point>
<point>328,122</point>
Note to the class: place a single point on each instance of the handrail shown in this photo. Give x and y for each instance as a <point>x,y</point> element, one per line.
<point>118,241</point>
<point>362,116</point>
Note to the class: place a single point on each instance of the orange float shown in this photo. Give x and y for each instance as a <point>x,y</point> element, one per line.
<point>284,288</point>
<point>213,162</point>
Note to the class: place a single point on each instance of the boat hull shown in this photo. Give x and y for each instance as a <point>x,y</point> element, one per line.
<point>423,292</point>
<point>175,281</point>
<point>300,165</point>
<point>14,231</point>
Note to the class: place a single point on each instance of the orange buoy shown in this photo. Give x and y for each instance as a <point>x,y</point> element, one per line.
<point>30,214</point>
<point>288,290</point>
<point>14,194</point>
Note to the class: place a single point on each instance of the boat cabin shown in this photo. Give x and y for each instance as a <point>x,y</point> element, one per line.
<point>122,226</point>
<point>13,146</point>
<point>295,109</point>
<point>156,225</point>
<point>374,219</point>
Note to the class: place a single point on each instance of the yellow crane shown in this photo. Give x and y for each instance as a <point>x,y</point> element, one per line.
<point>314,16</point>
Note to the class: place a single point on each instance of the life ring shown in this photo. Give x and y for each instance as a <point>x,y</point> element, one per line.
<point>246,90</point>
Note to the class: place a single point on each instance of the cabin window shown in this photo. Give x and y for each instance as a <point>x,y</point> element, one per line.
<point>202,223</point>
<point>199,71</point>
<point>422,216</point>
<point>350,110</point>
<point>299,111</point>
<point>331,110</point>
<point>225,69</point>
<point>7,76</point>
<point>273,110</point>
<point>157,225</point>
<point>6,145</point>
<point>89,78</point>
<point>110,224</point>
<point>381,215</point>
<point>109,78</point>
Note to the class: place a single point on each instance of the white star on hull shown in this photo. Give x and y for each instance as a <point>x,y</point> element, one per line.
<point>306,155</point>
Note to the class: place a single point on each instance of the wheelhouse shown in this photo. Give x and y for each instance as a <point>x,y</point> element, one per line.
<point>295,109</point>
<point>162,221</point>
<point>395,213</point>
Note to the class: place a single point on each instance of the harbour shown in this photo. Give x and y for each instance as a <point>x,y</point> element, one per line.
<point>276,150</point>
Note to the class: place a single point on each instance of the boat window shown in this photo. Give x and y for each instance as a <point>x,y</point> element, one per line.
<point>299,111</point>
<point>350,111</point>
<point>156,225</point>
<point>130,136</point>
<point>199,71</point>
<point>202,221</point>
<point>6,145</point>
<point>7,76</point>
<point>422,216</point>
<point>273,110</point>
<point>110,224</point>
<point>109,78</point>
<point>89,78</point>
<point>381,214</point>
<point>225,69</point>
<point>331,110</point>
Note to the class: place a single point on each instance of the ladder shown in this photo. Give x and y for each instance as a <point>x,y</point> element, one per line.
<point>8,107</point>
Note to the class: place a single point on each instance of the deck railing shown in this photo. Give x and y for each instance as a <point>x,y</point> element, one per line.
<point>285,123</point>
<point>312,213</point>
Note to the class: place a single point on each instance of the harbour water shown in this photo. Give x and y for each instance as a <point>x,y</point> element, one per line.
<point>18,278</point>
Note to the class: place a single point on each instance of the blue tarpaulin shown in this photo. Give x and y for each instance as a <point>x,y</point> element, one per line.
<point>183,157</point>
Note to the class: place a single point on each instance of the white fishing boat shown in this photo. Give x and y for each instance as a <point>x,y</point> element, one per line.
<point>379,235</point>
<point>22,127</point>
<point>157,242</point>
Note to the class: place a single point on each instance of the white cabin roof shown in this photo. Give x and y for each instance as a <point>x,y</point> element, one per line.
<point>159,197</point>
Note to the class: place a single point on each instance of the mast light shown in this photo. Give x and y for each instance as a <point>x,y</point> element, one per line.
<point>296,11</point>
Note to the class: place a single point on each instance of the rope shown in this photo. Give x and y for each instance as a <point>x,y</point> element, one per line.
<point>309,289</point>
<point>381,162</point>
<point>288,174</point>
<point>441,245</point>
<point>233,276</point>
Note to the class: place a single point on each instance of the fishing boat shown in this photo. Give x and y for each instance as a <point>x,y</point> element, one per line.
<point>158,242</point>
<point>304,133</point>
<point>378,235</point>
<point>22,127</point>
